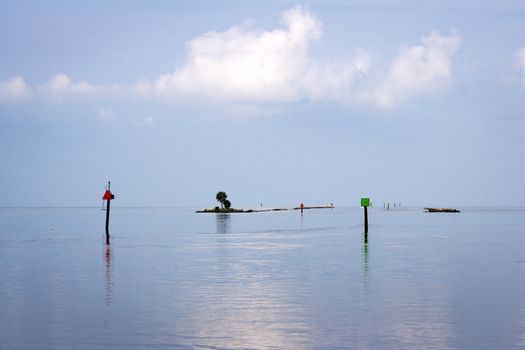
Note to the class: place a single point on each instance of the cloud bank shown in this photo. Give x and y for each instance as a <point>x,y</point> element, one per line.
<point>421,69</point>
<point>62,86</point>
<point>14,90</point>
<point>245,64</point>
<point>59,87</point>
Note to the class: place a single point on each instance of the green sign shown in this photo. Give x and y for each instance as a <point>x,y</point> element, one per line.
<point>365,202</point>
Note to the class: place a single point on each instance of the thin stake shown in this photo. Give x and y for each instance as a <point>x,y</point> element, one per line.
<point>107,218</point>
<point>107,214</point>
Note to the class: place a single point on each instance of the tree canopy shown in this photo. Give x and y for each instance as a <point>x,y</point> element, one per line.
<point>221,196</point>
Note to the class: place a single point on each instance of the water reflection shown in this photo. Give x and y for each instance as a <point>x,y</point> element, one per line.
<point>419,303</point>
<point>522,331</point>
<point>246,298</point>
<point>364,255</point>
<point>223,223</point>
<point>258,315</point>
<point>259,282</point>
<point>108,274</point>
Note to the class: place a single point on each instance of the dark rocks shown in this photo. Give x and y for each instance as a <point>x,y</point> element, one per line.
<point>441,210</point>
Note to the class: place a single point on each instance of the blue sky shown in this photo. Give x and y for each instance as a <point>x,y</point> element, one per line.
<point>276,102</point>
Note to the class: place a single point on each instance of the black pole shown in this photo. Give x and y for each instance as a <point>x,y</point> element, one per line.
<point>366,220</point>
<point>107,214</point>
<point>107,219</point>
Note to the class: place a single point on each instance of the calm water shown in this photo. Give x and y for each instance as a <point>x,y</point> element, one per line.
<point>173,279</point>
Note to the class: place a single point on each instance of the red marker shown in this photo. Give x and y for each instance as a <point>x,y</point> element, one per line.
<point>108,196</point>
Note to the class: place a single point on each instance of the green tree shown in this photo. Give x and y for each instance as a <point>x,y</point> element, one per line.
<point>227,204</point>
<point>221,197</point>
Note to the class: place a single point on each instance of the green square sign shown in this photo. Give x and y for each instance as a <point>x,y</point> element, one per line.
<point>365,202</point>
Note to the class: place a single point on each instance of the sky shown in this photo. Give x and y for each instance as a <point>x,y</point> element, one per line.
<point>275,102</point>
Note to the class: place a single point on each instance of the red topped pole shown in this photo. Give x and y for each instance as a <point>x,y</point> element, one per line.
<point>108,196</point>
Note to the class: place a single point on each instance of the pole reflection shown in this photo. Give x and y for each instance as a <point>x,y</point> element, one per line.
<point>108,274</point>
<point>364,256</point>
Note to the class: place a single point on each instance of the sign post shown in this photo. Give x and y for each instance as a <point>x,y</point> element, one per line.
<point>108,196</point>
<point>365,202</point>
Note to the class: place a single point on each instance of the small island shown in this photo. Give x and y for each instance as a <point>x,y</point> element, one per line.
<point>218,210</point>
<point>226,207</point>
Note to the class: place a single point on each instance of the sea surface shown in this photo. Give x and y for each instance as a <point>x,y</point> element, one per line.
<point>174,279</point>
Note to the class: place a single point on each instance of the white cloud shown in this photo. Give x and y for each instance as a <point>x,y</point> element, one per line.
<point>417,70</point>
<point>142,88</point>
<point>14,90</point>
<point>251,66</point>
<point>336,81</point>
<point>520,58</point>
<point>62,86</point>
<point>246,64</point>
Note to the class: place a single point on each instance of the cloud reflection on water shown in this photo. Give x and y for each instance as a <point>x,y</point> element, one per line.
<point>247,301</point>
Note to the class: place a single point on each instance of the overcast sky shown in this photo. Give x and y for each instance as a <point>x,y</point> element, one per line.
<point>415,102</point>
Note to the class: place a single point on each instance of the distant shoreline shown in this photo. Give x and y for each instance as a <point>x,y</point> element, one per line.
<point>233,210</point>
<point>441,210</point>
